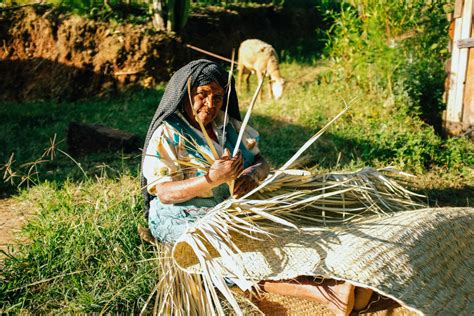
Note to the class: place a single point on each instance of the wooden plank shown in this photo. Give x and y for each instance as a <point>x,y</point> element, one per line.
<point>465,43</point>
<point>458,6</point>
<point>453,73</point>
<point>449,16</point>
<point>458,9</point>
<point>463,58</point>
<point>455,103</point>
<point>451,34</point>
<point>468,111</point>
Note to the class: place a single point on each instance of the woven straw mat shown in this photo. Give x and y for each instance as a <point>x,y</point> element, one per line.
<point>422,259</point>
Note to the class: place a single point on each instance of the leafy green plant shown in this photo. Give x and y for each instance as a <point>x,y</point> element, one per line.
<point>381,44</point>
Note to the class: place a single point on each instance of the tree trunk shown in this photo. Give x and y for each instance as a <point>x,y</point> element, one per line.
<point>159,15</point>
<point>171,21</point>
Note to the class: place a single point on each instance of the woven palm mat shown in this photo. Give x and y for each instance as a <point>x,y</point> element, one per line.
<point>422,259</point>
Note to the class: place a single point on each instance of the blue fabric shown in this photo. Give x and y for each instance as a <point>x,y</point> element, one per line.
<point>167,222</point>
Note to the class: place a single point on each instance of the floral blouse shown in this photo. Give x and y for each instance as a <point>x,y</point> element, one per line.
<point>168,147</point>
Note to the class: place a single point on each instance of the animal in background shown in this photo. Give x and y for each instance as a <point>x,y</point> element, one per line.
<point>256,56</point>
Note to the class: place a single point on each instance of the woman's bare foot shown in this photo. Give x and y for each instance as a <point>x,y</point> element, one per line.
<point>362,298</point>
<point>338,296</point>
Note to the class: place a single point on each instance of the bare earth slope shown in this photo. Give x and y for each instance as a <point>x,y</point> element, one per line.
<point>47,54</point>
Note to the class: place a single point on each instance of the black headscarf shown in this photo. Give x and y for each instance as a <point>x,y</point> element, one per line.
<point>202,72</point>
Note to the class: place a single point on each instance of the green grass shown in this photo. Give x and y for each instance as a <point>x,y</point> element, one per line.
<point>375,131</point>
<point>28,128</point>
<point>83,253</point>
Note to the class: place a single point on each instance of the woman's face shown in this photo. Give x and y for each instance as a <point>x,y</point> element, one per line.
<point>207,102</point>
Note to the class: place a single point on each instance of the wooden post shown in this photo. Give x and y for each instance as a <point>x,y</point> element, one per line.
<point>459,61</point>
<point>158,15</point>
<point>468,111</point>
<point>458,9</point>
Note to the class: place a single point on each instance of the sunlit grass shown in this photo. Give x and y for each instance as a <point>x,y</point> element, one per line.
<point>83,254</point>
<point>27,129</point>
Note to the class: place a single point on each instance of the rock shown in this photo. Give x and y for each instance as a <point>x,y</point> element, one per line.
<point>85,138</point>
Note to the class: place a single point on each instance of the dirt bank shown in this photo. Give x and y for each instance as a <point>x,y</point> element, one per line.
<point>47,53</point>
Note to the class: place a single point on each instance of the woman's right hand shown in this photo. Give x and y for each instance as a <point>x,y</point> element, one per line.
<point>226,168</point>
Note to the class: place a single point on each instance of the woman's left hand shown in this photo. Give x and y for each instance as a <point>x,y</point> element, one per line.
<point>243,184</point>
<point>249,178</point>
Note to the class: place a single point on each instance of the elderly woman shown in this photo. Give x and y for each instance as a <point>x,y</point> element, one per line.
<point>179,188</point>
<point>179,194</point>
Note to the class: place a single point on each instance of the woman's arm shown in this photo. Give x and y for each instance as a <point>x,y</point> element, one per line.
<point>221,171</point>
<point>173,192</point>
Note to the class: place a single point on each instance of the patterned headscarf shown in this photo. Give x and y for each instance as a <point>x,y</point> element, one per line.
<point>202,72</point>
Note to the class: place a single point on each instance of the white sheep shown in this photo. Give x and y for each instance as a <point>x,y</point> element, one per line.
<point>256,56</point>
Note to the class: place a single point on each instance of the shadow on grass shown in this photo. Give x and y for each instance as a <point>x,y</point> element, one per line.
<point>43,79</point>
<point>440,197</point>
<point>280,140</point>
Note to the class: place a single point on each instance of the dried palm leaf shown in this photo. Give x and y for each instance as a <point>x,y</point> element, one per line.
<point>243,126</point>
<point>229,83</point>
<point>334,199</point>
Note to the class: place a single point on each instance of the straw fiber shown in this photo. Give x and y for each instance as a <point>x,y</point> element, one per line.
<point>421,259</point>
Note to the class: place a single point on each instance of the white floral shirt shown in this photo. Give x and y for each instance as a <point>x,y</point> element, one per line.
<point>167,147</point>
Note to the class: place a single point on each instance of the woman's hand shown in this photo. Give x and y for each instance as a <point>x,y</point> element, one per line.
<point>250,177</point>
<point>225,169</point>
<point>243,184</point>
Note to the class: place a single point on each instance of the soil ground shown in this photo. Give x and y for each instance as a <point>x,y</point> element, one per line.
<point>49,54</point>
<point>13,215</point>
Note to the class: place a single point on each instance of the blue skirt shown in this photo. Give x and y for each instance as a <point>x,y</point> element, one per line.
<point>167,222</point>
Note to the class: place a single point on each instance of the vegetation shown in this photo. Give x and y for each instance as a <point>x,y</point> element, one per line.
<point>84,254</point>
<point>169,15</point>
<point>40,125</point>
